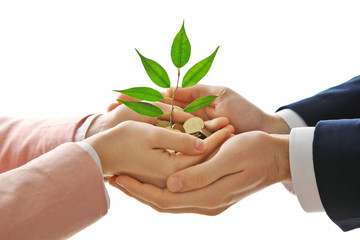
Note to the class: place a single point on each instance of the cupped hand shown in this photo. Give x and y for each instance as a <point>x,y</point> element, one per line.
<point>243,115</point>
<point>244,164</point>
<point>139,149</point>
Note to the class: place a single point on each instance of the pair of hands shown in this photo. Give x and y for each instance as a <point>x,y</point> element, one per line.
<point>137,148</point>
<point>244,164</point>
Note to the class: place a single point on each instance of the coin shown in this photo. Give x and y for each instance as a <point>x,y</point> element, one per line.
<point>163,123</point>
<point>171,129</point>
<point>178,126</point>
<point>193,125</point>
<point>206,132</point>
<point>198,135</point>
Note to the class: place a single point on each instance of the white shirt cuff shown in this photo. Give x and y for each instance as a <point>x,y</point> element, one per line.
<point>87,147</point>
<point>292,119</point>
<point>81,131</point>
<point>302,169</point>
<point>301,162</point>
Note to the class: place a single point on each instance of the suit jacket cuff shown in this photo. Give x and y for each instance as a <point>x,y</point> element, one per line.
<point>302,169</point>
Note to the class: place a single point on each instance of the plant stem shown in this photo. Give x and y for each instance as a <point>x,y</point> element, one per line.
<point>173,97</point>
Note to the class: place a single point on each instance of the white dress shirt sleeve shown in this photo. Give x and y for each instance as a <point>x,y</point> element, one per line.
<point>81,131</point>
<point>79,136</point>
<point>301,162</point>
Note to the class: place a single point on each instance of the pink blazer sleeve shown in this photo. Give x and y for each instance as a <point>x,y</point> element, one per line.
<point>23,140</point>
<point>56,194</point>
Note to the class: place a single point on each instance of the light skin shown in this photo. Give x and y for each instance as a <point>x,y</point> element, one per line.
<point>138,149</point>
<point>255,158</point>
<point>242,114</point>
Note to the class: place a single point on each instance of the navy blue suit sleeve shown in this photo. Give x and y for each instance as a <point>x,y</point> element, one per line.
<point>336,154</point>
<point>339,102</point>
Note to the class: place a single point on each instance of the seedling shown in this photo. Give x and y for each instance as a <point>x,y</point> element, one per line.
<point>180,55</point>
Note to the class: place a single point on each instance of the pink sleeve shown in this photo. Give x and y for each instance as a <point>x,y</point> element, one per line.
<point>23,140</point>
<point>52,197</point>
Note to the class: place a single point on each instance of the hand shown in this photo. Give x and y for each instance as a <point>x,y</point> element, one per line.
<point>139,149</point>
<point>243,115</point>
<point>119,113</point>
<point>244,164</point>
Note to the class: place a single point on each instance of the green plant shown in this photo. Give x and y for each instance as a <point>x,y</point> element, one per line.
<point>180,55</point>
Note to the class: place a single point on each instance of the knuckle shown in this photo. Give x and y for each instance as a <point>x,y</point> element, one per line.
<point>129,124</point>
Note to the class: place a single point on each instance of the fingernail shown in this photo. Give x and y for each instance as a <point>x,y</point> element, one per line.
<point>119,183</point>
<point>175,184</point>
<point>199,144</point>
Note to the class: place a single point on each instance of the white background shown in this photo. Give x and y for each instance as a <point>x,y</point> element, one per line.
<point>63,58</point>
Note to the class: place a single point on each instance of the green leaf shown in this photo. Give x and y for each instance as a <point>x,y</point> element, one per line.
<point>198,71</point>
<point>143,108</point>
<point>143,93</point>
<point>199,103</point>
<point>181,48</point>
<point>155,71</point>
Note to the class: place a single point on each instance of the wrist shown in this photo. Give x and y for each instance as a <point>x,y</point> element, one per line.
<point>274,124</point>
<point>95,126</point>
<point>281,157</point>
<point>98,142</point>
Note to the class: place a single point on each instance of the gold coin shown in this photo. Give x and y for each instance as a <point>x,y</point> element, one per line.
<point>194,124</point>
<point>178,126</point>
<point>163,123</point>
<point>206,132</point>
<point>198,135</point>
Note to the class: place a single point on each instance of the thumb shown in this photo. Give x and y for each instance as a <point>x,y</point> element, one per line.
<point>200,175</point>
<point>179,142</point>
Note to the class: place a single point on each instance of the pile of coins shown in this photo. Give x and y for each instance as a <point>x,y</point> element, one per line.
<point>194,126</point>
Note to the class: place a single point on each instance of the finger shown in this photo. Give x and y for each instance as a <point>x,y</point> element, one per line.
<point>203,174</point>
<point>208,212</point>
<point>127,98</point>
<point>169,94</point>
<point>112,106</point>
<point>216,196</point>
<point>216,123</point>
<point>212,142</point>
<point>113,182</point>
<point>189,94</point>
<point>152,195</point>
<point>120,97</point>
<point>178,116</point>
<point>178,142</point>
